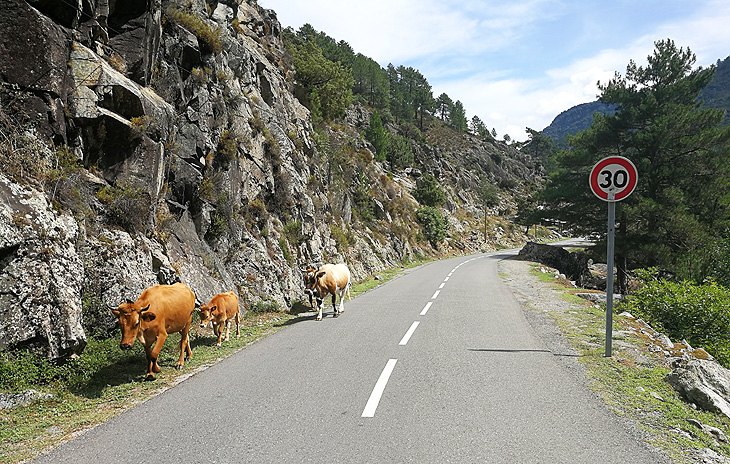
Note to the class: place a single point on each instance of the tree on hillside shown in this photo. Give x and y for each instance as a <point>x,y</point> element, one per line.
<point>434,224</point>
<point>539,147</point>
<point>681,203</point>
<point>488,196</point>
<point>428,191</point>
<point>324,86</point>
<point>400,151</point>
<point>443,106</point>
<point>477,127</point>
<point>378,136</point>
<point>457,118</point>
<point>398,106</point>
<point>371,81</point>
<point>411,97</point>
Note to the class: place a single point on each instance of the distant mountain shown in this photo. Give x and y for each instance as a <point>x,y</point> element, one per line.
<point>574,120</point>
<point>580,117</point>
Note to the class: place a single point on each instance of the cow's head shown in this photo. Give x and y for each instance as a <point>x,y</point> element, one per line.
<point>206,314</point>
<point>130,315</point>
<point>309,275</point>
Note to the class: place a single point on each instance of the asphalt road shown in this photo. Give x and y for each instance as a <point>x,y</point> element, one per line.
<point>439,365</point>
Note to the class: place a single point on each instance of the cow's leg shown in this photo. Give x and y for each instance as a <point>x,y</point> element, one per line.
<point>342,300</point>
<point>228,329</point>
<point>238,322</point>
<point>319,307</point>
<point>219,332</point>
<point>184,346</point>
<point>152,353</point>
<point>334,307</point>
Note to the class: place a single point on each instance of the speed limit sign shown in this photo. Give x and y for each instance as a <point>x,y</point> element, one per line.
<point>613,178</point>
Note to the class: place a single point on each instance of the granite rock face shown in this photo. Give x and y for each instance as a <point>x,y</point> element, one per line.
<point>41,273</point>
<point>151,142</point>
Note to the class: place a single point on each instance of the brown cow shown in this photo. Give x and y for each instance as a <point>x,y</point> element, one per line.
<point>160,310</point>
<point>222,308</point>
<point>331,279</point>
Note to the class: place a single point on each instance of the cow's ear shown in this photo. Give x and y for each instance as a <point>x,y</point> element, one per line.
<point>147,316</point>
<point>116,312</point>
<point>321,274</point>
<point>213,308</point>
<point>129,301</point>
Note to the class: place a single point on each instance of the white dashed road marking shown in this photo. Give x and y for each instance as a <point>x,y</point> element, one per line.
<point>377,393</point>
<point>408,334</point>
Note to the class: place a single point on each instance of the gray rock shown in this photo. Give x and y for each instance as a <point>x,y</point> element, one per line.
<point>41,274</point>
<point>702,382</point>
<point>573,265</point>
<point>13,400</point>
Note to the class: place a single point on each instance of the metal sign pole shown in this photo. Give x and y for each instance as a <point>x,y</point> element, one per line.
<point>612,179</point>
<point>609,274</point>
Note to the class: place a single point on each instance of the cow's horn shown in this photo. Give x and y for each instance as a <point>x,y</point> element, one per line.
<point>129,301</point>
<point>144,309</point>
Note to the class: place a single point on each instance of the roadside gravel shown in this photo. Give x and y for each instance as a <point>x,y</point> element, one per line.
<point>539,298</point>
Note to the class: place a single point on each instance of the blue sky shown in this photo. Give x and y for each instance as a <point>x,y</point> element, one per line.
<point>515,63</point>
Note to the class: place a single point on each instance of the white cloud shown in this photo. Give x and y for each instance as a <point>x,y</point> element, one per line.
<point>485,52</point>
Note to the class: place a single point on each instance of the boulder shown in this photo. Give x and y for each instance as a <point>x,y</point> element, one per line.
<point>702,382</point>
<point>573,265</point>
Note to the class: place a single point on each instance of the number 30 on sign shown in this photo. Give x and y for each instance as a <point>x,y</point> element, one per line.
<point>613,178</point>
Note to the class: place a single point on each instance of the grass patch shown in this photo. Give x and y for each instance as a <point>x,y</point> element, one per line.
<point>112,383</point>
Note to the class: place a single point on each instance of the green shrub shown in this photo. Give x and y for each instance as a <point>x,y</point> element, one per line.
<point>293,233</point>
<point>685,310</point>
<point>227,148</point>
<point>343,238</point>
<point>378,136</point>
<point>434,225</point>
<point>128,206</point>
<point>284,246</point>
<point>265,306</point>
<point>400,151</point>
<point>194,24</point>
<point>428,191</point>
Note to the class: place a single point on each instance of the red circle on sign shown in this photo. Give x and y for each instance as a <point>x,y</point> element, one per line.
<point>614,175</point>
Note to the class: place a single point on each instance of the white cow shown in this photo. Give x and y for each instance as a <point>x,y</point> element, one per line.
<point>331,279</point>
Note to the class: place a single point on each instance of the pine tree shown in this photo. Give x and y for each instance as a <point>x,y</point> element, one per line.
<point>378,136</point>
<point>680,206</point>
<point>457,118</point>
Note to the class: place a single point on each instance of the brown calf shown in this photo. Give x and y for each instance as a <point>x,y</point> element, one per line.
<point>159,311</point>
<point>219,312</point>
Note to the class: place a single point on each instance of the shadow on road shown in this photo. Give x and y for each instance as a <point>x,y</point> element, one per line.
<point>492,350</point>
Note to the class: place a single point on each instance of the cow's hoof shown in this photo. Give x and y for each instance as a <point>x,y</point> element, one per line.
<point>149,378</point>
<point>217,344</point>
<point>318,319</point>
<point>179,366</point>
<point>336,315</point>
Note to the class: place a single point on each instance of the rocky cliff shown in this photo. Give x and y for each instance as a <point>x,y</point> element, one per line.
<point>150,141</point>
